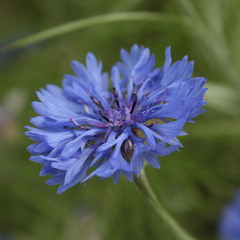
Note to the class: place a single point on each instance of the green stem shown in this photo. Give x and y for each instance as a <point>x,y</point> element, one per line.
<point>94,21</point>
<point>148,194</point>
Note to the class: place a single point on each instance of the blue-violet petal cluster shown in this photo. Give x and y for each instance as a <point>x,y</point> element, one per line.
<point>85,128</point>
<point>229,223</point>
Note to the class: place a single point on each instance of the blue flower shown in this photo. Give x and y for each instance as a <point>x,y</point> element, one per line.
<point>229,224</point>
<point>83,127</point>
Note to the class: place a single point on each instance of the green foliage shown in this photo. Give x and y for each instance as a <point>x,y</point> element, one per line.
<point>193,184</point>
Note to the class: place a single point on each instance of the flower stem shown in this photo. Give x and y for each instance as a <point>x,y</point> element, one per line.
<point>149,196</point>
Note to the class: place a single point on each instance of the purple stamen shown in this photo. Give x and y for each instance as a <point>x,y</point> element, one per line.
<point>99,104</point>
<point>103,115</point>
<point>134,97</point>
<point>164,95</point>
<point>82,127</point>
<point>151,124</point>
<point>116,97</point>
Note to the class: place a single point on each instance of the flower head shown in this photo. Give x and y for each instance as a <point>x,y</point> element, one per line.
<point>229,224</point>
<point>83,127</point>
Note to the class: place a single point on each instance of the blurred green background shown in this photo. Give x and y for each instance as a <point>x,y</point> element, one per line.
<point>192,184</point>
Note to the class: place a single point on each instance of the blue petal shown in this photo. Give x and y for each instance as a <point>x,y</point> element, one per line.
<point>64,165</point>
<point>135,53</point>
<point>105,82</point>
<point>111,143</point>
<point>99,155</point>
<point>78,167</point>
<point>144,67</point>
<point>115,163</point>
<point>169,130</point>
<point>116,176</point>
<point>59,179</point>
<point>128,175</point>
<point>125,56</point>
<point>73,146</point>
<point>77,178</point>
<point>36,159</point>
<point>168,60</point>
<point>42,147</point>
<point>151,159</point>
<point>54,138</point>
<point>80,71</point>
<point>161,150</point>
<point>47,169</point>
<point>151,136</point>
<point>130,89</point>
<point>138,163</point>
<point>185,68</point>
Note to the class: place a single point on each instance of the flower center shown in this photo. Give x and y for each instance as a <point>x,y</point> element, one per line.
<point>120,112</point>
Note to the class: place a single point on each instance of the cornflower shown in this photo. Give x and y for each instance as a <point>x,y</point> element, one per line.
<point>229,223</point>
<point>83,127</point>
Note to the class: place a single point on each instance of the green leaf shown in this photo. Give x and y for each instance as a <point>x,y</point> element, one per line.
<point>206,25</point>
<point>94,21</point>
<point>223,99</point>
